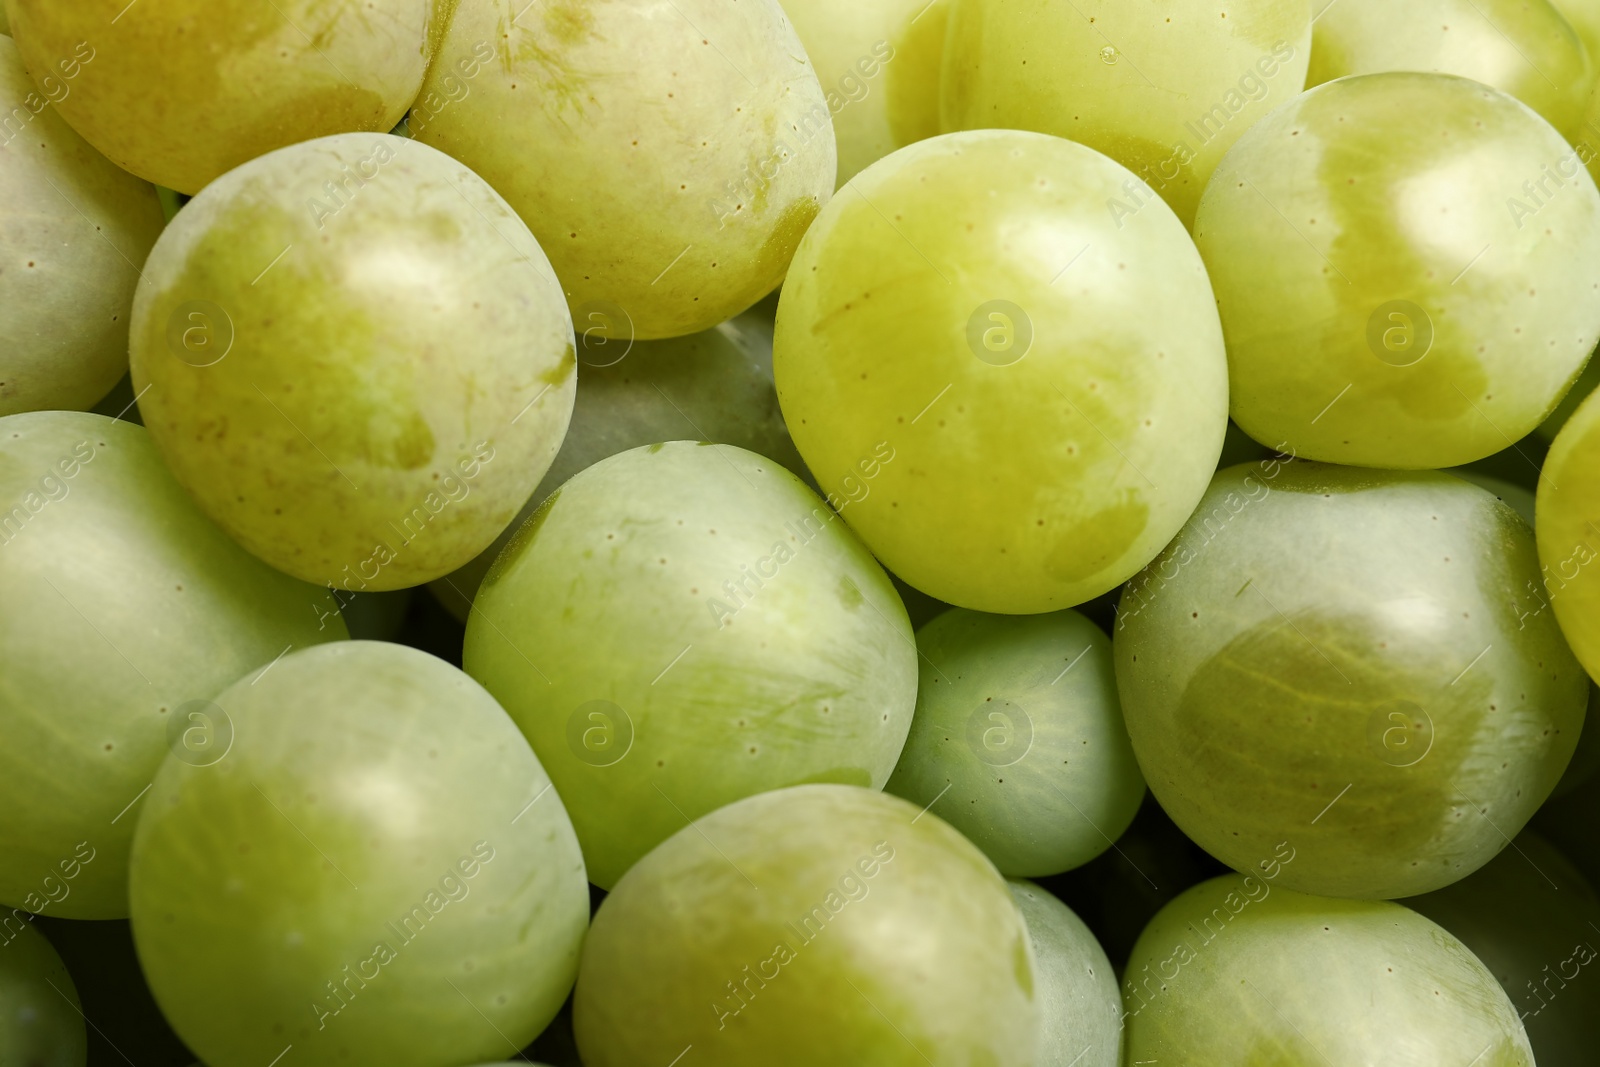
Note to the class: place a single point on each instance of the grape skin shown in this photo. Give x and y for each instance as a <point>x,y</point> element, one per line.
<point>122,605</point>
<point>1078,997</point>
<point>42,1026</point>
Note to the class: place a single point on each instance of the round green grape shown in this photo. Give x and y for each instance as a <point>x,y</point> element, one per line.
<point>1078,1000</point>
<point>1406,267</point>
<point>715,385</point>
<point>1522,47</point>
<point>124,611</point>
<point>356,358</point>
<point>1018,740</point>
<point>1238,970</point>
<point>969,308</point>
<point>181,91</point>
<point>41,1018</point>
<point>668,154</point>
<point>879,66</point>
<point>682,625</point>
<point>376,872</point>
<point>1162,87</point>
<point>1568,507</point>
<point>818,924</point>
<point>1355,660</point>
<point>1535,923</point>
<point>1587,382</point>
<point>74,231</point>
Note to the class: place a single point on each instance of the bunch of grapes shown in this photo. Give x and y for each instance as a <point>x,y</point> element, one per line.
<point>710,533</point>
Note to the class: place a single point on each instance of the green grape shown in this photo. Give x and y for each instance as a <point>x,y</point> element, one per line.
<point>1018,741</point>
<point>812,925</point>
<point>878,62</point>
<point>1163,87</point>
<point>1357,660</point>
<point>377,871</point>
<point>124,608</point>
<point>179,92</point>
<point>1568,506</point>
<point>1534,922</point>
<point>355,357</point>
<point>74,231</point>
<point>5,22</point>
<point>682,625</point>
<point>715,385</point>
<point>1587,382</point>
<point>1405,266</point>
<point>41,1020</point>
<point>1522,47</point>
<point>668,154</point>
<point>1584,17</point>
<point>1078,999</point>
<point>1000,338</point>
<point>1241,971</point>
<point>1518,498</point>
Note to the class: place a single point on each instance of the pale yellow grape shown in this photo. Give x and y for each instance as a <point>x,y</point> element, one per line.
<point>1584,17</point>
<point>355,357</point>
<point>1044,448</point>
<point>878,61</point>
<point>1568,531</point>
<point>1408,271</point>
<point>1522,47</point>
<point>668,154</point>
<point>180,91</point>
<point>1164,87</point>
<point>74,231</point>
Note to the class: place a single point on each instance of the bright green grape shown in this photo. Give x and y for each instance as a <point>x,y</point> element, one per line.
<point>123,609</point>
<point>1535,923</point>
<point>1356,660</point>
<point>1522,47</point>
<point>1018,740</point>
<point>180,91</point>
<point>715,385</point>
<point>1569,531</point>
<point>1241,971</point>
<point>878,62</point>
<point>823,924</point>
<point>1078,1000</point>
<point>74,231</point>
<point>356,359</point>
<point>41,1019</point>
<point>668,154</point>
<point>968,307</point>
<point>1163,87</point>
<point>683,625</point>
<point>377,871</point>
<point>1406,267</point>
<point>1587,382</point>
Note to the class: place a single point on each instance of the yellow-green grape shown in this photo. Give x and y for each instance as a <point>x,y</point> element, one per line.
<point>5,22</point>
<point>1535,923</point>
<point>181,91</point>
<point>1079,1005</point>
<point>1516,497</point>
<point>668,154</point>
<point>41,1018</point>
<point>1163,87</point>
<point>1018,740</point>
<point>74,232</point>
<point>715,385</point>
<point>377,871</point>
<point>1407,268</point>
<point>355,357</point>
<point>682,625</point>
<point>823,924</point>
<point>1239,970</point>
<point>878,62</point>
<point>1522,47</point>
<point>1587,382</point>
<point>1357,660</point>
<point>968,307</point>
<point>125,610</point>
<point>1584,17</point>
<point>1568,508</point>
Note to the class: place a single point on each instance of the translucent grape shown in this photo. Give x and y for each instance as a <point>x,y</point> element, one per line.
<point>1568,507</point>
<point>41,1019</point>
